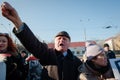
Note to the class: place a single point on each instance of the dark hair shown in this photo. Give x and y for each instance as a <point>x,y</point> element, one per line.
<point>23,51</point>
<point>106,45</point>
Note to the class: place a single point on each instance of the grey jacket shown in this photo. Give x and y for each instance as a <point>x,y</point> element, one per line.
<point>87,73</point>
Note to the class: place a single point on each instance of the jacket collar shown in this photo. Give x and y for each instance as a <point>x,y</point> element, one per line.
<point>69,54</point>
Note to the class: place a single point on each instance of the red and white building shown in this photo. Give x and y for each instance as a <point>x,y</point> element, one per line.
<point>78,48</point>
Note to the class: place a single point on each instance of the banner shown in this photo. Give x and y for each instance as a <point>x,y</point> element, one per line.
<point>2,71</point>
<point>115,64</point>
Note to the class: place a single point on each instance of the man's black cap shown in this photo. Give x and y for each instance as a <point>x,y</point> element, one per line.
<point>63,33</point>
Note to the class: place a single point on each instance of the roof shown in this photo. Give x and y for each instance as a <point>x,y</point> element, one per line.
<point>72,44</point>
<point>77,44</point>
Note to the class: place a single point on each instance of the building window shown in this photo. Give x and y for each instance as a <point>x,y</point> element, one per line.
<point>78,52</point>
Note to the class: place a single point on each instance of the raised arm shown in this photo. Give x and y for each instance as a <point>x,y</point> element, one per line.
<point>26,36</point>
<point>10,13</point>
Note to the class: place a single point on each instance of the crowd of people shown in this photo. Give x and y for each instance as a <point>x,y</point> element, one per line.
<point>56,63</point>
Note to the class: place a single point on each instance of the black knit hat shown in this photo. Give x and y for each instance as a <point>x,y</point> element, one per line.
<point>63,33</point>
<point>106,45</point>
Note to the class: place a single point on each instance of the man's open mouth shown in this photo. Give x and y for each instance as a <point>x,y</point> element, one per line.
<point>61,44</point>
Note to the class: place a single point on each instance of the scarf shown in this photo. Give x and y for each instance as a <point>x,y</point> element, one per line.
<point>3,51</point>
<point>100,69</point>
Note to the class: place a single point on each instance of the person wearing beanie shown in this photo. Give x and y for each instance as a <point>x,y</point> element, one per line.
<point>87,43</point>
<point>59,61</point>
<point>63,33</point>
<point>24,55</point>
<point>109,53</point>
<point>96,66</point>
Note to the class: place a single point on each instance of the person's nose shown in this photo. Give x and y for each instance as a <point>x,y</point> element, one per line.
<point>61,40</point>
